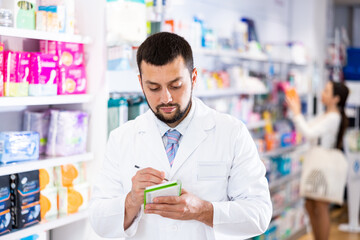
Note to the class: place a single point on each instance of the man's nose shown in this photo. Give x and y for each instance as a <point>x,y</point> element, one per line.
<point>165,96</point>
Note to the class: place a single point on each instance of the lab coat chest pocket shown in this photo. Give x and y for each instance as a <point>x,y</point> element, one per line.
<point>211,171</point>
<point>211,179</point>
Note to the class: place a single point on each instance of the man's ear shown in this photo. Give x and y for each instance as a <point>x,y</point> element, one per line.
<point>194,77</point>
<point>139,77</point>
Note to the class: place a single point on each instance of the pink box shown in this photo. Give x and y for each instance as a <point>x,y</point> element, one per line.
<point>1,69</point>
<point>11,60</point>
<point>44,74</point>
<point>70,54</point>
<point>24,67</point>
<point>72,80</point>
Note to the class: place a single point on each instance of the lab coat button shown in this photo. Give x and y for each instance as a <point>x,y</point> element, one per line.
<point>174,227</point>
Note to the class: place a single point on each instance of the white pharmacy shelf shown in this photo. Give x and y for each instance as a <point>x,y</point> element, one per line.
<point>44,100</point>
<point>230,53</point>
<point>255,125</point>
<point>43,162</point>
<point>42,35</point>
<point>277,212</point>
<point>236,54</point>
<point>281,181</point>
<point>281,151</point>
<point>214,93</point>
<point>41,227</point>
<point>297,234</point>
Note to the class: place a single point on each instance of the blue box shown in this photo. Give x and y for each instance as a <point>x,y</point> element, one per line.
<point>19,146</point>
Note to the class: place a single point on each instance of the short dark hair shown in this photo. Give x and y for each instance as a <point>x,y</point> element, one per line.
<point>162,48</point>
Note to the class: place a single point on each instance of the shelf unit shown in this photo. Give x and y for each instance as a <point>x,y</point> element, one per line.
<point>255,125</point>
<point>91,105</point>
<point>43,162</point>
<point>281,150</point>
<point>280,210</point>
<point>281,181</point>
<point>242,55</point>
<point>214,93</point>
<point>45,100</point>
<point>41,35</point>
<point>297,234</point>
<point>45,226</point>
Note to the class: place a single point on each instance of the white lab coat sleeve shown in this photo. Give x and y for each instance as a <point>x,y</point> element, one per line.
<point>317,127</point>
<point>249,210</point>
<point>107,206</point>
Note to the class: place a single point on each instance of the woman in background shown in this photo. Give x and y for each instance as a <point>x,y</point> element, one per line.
<point>329,128</point>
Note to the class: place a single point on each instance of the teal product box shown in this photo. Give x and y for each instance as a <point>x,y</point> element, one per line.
<point>19,146</point>
<point>5,204</point>
<point>25,188</point>
<point>25,196</point>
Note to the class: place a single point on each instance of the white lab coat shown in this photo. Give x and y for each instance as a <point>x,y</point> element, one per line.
<point>217,161</point>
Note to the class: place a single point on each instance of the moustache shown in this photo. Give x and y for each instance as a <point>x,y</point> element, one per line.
<point>166,105</point>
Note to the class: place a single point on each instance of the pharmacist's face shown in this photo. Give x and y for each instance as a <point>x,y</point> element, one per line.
<point>168,89</point>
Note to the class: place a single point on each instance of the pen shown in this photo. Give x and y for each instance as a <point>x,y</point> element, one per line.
<point>136,166</point>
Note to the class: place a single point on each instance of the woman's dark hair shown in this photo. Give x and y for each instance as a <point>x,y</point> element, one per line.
<point>162,48</point>
<point>341,90</point>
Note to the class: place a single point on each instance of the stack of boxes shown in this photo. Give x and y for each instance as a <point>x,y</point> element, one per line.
<point>48,194</point>
<point>25,199</point>
<point>71,65</point>
<point>73,188</point>
<point>57,70</point>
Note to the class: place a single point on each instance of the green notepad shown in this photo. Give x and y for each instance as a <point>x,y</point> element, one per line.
<point>172,188</point>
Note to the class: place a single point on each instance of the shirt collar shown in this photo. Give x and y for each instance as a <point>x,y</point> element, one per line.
<point>182,126</point>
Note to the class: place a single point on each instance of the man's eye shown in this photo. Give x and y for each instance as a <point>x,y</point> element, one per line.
<point>175,87</point>
<point>154,89</point>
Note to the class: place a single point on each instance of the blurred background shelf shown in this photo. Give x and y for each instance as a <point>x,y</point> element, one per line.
<point>41,35</point>
<point>46,100</point>
<point>214,93</point>
<point>61,221</point>
<point>43,162</point>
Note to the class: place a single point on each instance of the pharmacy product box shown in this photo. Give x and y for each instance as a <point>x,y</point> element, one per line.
<point>46,178</point>
<point>5,204</point>
<point>25,188</point>
<point>70,54</point>
<point>25,196</point>
<point>72,80</point>
<point>11,61</point>
<point>48,203</point>
<point>73,199</point>
<point>24,216</point>
<point>1,69</point>
<point>22,81</point>
<point>38,122</point>
<point>67,133</point>
<point>70,174</point>
<point>19,146</point>
<point>44,74</point>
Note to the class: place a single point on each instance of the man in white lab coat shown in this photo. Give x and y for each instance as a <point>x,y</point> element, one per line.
<point>225,193</point>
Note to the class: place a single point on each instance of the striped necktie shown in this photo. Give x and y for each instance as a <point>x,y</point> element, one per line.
<point>172,144</point>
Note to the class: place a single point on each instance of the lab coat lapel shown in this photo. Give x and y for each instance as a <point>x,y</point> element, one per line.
<point>195,134</point>
<point>150,137</point>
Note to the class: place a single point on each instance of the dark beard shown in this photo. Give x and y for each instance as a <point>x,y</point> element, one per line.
<point>178,114</point>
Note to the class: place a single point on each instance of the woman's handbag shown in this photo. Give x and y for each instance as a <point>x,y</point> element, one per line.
<point>324,175</point>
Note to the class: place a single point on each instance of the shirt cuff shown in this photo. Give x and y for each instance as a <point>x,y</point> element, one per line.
<point>218,209</point>
<point>130,231</point>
